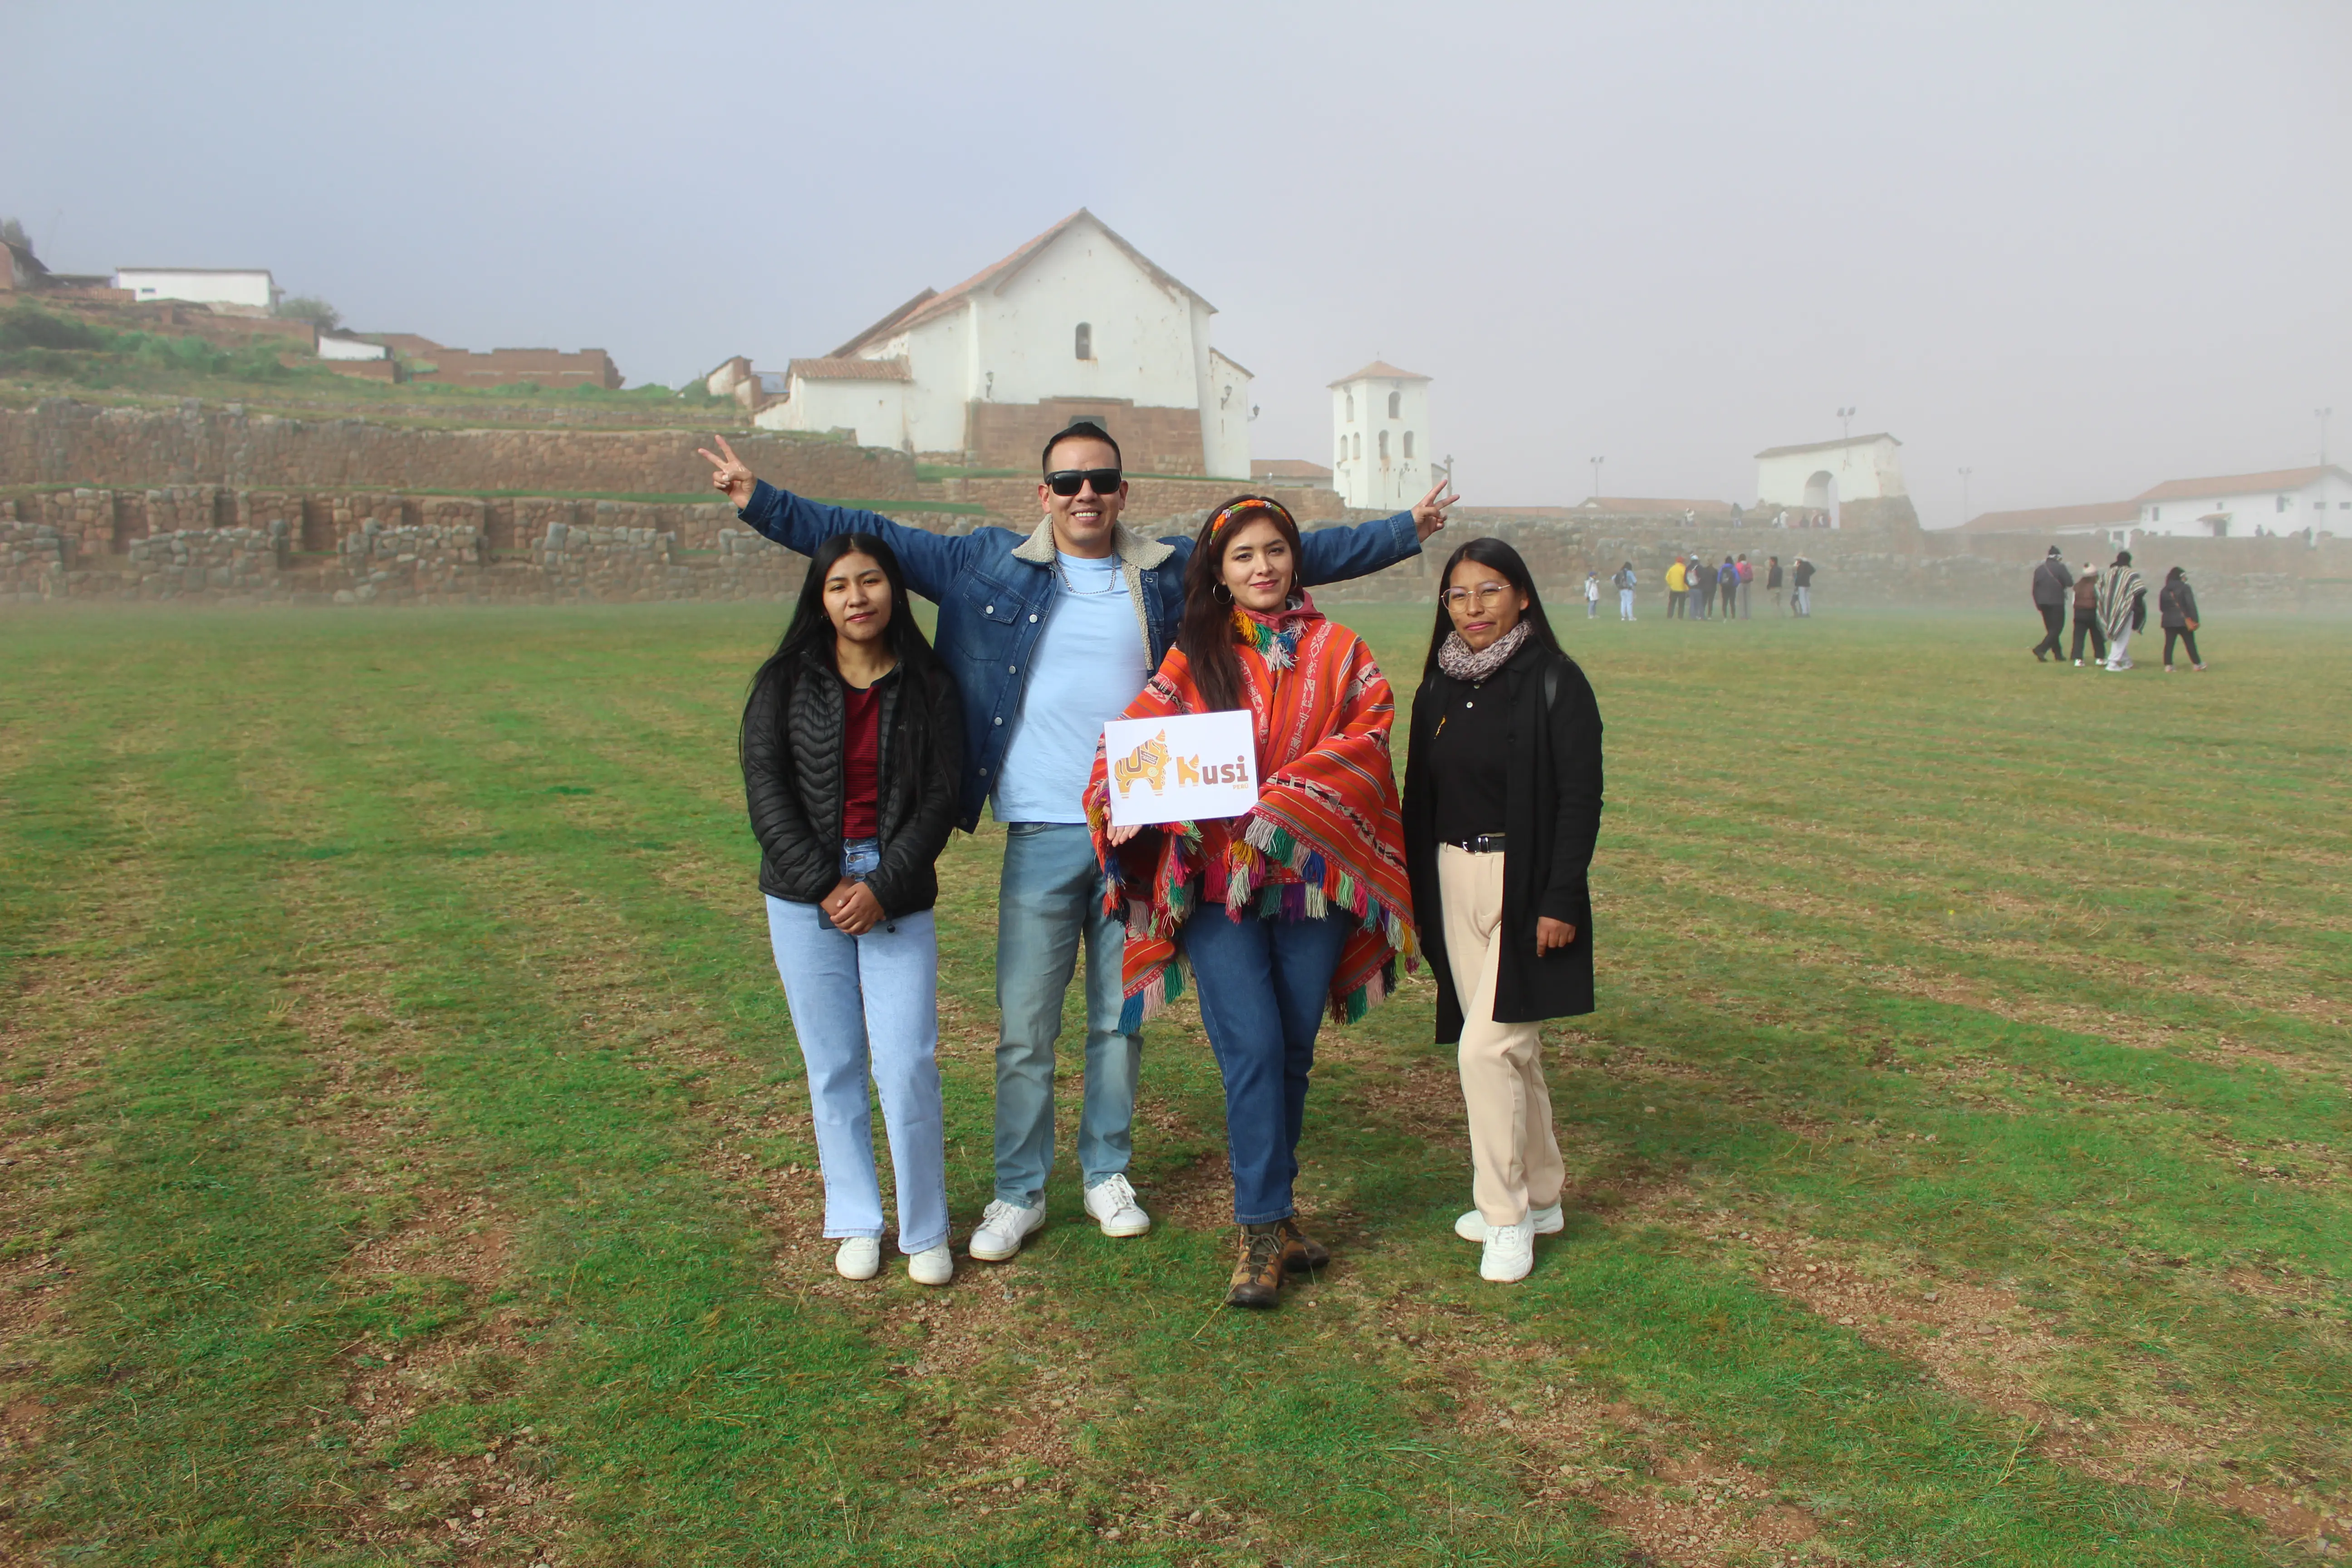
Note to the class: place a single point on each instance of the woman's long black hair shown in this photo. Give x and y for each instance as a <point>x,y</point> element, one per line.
<point>811,631</point>
<point>1206,632</point>
<point>1491,553</point>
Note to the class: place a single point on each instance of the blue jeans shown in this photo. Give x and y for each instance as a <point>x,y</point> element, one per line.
<point>1049,897</point>
<point>867,1004</point>
<point>1264,986</point>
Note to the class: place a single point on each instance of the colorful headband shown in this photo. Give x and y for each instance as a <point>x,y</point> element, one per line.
<point>1249,504</point>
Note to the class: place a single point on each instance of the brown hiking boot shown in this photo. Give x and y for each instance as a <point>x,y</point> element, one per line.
<point>1257,1272</point>
<point>1301,1254</point>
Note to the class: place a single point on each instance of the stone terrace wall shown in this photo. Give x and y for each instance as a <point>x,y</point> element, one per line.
<point>61,441</point>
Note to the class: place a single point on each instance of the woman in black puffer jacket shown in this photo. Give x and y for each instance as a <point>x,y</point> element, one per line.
<point>852,751</point>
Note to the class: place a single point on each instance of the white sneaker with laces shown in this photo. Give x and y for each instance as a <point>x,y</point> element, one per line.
<point>1111,1201</point>
<point>932,1265</point>
<point>1510,1252</point>
<point>1472,1227</point>
<point>860,1257</point>
<point>1003,1228</point>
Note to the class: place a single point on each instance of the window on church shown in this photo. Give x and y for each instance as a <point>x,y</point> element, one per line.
<point>1384,446</point>
<point>1360,443</point>
<point>1085,339</point>
<point>1352,407</point>
<point>1396,402</point>
<point>1408,443</point>
<point>2281,503</point>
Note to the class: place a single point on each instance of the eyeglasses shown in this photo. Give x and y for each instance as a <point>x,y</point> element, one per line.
<point>1066,481</point>
<point>1485,594</point>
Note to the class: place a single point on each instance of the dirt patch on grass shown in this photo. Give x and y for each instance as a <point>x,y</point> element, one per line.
<point>1984,1344</point>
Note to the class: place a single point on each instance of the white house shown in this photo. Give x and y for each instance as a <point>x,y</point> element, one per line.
<point>350,346</point>
<point>2235,506</point>
<point>1379,427</point>
<point>245,289</point>
<point>1818,474</point>
<point>1077,323</point>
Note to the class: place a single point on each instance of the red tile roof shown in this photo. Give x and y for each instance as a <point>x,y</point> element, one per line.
<point>1379,369</point>
<point>926,305</point>
<point>835,367</point>
<point>1287,469</point>
<point>2238,484</point>
<point>1825,446</point>
<point>2053,518</point>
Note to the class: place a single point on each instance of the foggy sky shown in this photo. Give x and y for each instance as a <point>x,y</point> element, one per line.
<point>2076,248</point>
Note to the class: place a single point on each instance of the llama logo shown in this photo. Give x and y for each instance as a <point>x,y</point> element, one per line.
<point>1147,762</point>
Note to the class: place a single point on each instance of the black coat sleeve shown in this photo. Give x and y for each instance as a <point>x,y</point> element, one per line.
<point>908,858</point>
<point>1575,721</point>
<point>778,820</point>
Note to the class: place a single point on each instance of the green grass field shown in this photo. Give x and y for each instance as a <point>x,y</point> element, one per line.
<point>406,1152</point>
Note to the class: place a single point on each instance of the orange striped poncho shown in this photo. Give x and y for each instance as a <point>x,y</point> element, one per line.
<point>1327,834</point>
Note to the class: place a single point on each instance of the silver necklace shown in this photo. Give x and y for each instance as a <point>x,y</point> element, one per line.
<point>1074,591</point>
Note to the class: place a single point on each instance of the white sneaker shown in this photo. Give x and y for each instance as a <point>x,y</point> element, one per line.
<point>1003,1228</point>
<point>932,1265</point>
<point>860,1257</point>
<point>1111,1201</point>
<point>1472,1227</point>
<point>1510,1252</point>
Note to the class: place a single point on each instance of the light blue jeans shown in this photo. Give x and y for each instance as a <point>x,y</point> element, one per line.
<point>869,1004</point>
<point>1049,898</point>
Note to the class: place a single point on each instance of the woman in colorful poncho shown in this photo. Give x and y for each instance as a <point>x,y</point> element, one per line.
<point>1301,905</point>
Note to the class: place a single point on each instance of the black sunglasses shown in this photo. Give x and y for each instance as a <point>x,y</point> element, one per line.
<point>1066,481</point>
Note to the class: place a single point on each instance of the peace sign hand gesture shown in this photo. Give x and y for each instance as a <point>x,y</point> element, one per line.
<point>730,475</point>
<point>1428,513</point>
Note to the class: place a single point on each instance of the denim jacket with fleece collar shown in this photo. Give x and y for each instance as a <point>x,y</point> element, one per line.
<point>994,587</point>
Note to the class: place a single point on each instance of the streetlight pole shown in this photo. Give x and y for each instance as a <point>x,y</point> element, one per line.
<point>1963,493</point>
<point>2323,413</point>
<point>1596,476</point>
<point>1846,424</point>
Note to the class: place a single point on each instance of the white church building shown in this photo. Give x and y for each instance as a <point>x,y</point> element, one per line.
<point>1380,425</point>
<point>1076,324</point>
<point>1819,475</point>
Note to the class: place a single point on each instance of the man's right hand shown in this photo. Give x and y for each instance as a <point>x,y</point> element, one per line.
<point>728,474</point>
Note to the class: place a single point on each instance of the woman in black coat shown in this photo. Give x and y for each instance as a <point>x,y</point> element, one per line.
<point>853,755</point>
<point>1502,807</point>
<point>2176,606</point>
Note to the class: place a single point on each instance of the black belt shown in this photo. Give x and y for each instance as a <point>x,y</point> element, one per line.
<point>1484,844</point>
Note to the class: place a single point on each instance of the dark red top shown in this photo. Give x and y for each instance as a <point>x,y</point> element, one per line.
<point>861,746</point>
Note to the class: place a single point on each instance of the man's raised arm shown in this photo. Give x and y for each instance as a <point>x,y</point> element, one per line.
<point>929,561</point>
<point>1336,554</point>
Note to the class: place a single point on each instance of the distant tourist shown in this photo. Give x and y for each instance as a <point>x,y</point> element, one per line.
<point>1727,583</point>
<point>2123,608</point>
<point>1299,906</point>
<point>2176,611</point>
<point>2051,583</point>
<point>1502,807</point>
<point>2086,616</point>
<point>1592,594</point>
<point>1747,582</point>
<point>1677,584</point>
<point>1780,517</point>
<point>1801,587</point>
<point>853,750</point>
<point>1048,635</point>
<point>1773,583</point>
<point>1626,582</point>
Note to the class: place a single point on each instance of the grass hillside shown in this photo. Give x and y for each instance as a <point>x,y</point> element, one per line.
<point>404,1156</point>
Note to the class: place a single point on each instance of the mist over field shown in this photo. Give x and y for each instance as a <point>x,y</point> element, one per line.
<point>2074,249</point>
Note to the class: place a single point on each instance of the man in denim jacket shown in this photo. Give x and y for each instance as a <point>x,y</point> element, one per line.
<point>1049,636</point>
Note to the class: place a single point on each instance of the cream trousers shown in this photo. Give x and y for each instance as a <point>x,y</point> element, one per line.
<point>1514,1160</point>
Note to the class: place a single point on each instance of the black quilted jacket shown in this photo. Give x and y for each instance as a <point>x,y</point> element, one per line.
<point>793,783</point>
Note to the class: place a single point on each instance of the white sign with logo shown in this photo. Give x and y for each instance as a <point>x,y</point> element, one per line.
<point>1180,769</point>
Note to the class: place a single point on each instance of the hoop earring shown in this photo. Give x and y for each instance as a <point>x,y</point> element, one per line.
<point>1220,593</point>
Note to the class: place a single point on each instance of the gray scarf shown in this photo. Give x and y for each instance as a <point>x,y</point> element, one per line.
<point>1457,659</point>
